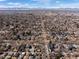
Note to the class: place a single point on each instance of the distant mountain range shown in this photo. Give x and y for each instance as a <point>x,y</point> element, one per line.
<point>24,10</point>
<point>74,9</point>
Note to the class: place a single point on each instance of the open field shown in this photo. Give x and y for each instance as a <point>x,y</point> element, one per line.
<point>39,34</point>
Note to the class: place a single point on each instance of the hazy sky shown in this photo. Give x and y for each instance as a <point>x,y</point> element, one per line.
<point>39,3</point>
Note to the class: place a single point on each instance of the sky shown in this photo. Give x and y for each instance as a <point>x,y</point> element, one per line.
<point>39,3</point>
